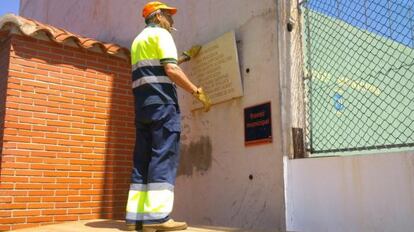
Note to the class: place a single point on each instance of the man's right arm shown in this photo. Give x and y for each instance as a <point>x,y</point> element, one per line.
<point>176,74</point>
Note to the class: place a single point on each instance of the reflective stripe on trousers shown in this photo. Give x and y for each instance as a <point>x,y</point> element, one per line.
<point>156,157</point>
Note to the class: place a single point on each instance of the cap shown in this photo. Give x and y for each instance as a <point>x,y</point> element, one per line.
<point>151,7</point>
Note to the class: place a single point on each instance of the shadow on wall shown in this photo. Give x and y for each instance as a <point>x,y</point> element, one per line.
<point>121,141</point>
<point>4,67</point>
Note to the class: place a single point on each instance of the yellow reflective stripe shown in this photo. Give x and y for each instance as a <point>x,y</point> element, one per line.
<point>136,200</point>
<point>154,201</point>
<point>153,43</point>
<point>159,201</point>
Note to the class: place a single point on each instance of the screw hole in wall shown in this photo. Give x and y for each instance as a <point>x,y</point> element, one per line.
<point>247,70</point>
<point>250,177</point>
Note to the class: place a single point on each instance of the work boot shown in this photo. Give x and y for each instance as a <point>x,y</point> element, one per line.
<point>134,226</point>
<point>166,226</point>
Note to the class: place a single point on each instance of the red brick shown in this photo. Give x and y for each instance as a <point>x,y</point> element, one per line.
<point>69,168</point>
<point>54,199</point>
<point>49,67</point>
<point>89,217</point>
<point>15,165</point>
<point>66,218</point>
<point>6,200</point>
<point>57,136</point>
<point>68,180</point>
<point>27,199</point>
<point>28,186</point>
<point>13,206</point>
<point>43,166</point>
<point>12,220</point>
<point>30,146</point>
<point>45,116</point>
<point>80,174</point>
<point>79,211</point>
<point>17,126</point>
<point>29,160</point>
<point>41,193</point>
<point>44,141</point>
<point>33,121</point>
<point>44,102</point>
<point>42,180</point>
<point>39,219</point>
<point>54,212</point>
<point>55,186</point>
<point>66,192</point>
<point>12,192</point>
<point>44,128</point>
<point>80,186</point>
<point>57,161</point>
<point>43,154</point>
<point>56,148</point>
<point>69,130</point>
<point>56,174</point>
<point>20,213</point>
<point>20,172</point>
<point>5,227</point>
<point>5,214</point>
<point>66,205</point>
<point>40,206</point>
<point>12,179</point>
<point>70,143</point>
<point>23,226</point>
<point>34,83</point>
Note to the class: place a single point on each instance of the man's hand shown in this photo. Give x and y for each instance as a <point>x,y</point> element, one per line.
<point>203,98</point>
<point>192,52</point>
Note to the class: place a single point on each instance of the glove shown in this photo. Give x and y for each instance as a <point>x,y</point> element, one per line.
<point>203,98</point>
<point>192,52</point>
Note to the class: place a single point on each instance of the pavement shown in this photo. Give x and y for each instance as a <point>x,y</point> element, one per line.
<point>111,226</point>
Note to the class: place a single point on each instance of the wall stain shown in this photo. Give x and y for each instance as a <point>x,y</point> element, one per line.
<point>196,157</point>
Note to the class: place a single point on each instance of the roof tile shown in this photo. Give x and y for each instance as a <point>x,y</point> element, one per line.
<point>31,28</point>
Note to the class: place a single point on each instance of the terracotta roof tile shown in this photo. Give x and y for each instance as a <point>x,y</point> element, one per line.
<point>32,28</point>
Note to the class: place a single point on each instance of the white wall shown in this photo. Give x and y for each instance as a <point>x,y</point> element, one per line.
<point>355,193</point>
<point>213,187</point>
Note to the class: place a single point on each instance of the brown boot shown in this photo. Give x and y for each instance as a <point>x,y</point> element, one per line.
<point>166,226</point>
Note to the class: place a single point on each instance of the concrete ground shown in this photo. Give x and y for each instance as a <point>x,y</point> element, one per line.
<point>110,226</point>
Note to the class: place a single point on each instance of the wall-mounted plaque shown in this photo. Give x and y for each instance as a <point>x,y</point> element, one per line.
<point>216,69</point>
<point>258,124</point>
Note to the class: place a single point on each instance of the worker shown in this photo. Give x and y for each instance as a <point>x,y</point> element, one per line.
<point>155,74</point>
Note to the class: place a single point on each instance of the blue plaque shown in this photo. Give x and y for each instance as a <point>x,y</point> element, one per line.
<point>258,124</point>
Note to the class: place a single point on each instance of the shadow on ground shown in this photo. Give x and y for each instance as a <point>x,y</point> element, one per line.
<point>109,224</point>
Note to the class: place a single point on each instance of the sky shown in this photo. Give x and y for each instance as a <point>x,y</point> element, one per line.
<point>9,6</point>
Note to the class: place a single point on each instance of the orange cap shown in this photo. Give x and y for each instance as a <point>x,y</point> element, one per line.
<point>154,6</point>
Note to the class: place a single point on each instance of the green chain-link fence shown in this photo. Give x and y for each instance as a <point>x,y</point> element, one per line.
<point>359,74</point>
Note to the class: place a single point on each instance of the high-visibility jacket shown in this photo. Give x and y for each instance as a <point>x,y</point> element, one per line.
<point>152,48</point>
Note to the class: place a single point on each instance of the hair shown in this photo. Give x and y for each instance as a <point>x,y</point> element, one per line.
<point>152,18</point>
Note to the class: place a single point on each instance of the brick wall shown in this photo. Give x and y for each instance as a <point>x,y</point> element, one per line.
<point>68,135</point>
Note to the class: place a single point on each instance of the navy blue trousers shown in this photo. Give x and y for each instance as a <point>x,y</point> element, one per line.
<point>156,158</point>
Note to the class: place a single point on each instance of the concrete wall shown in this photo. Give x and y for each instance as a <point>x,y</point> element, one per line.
<point>213,186</point>
<point>355,193</point>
